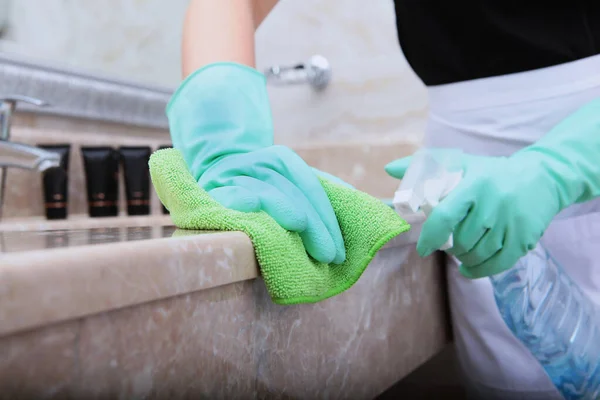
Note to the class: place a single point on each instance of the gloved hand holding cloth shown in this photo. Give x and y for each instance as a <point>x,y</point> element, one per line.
<point>220,119</point>
<point>503,205</point>
<point>313,235</point>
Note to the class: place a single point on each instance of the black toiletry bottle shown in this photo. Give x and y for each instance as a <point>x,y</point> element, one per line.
<point>137,178</point>
<point>56,183</point>
<point>101,164</point>
<point>166,146</point>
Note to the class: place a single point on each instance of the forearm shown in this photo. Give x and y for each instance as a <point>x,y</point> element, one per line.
<point>570,154</point>
<point>221,30</point>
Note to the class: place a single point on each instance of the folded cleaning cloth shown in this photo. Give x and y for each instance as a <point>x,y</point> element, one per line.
<point>290,275</point>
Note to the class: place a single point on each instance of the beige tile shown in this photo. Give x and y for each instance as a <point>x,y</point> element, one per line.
<point>76,126</point>
<point>232,342</point>
<point>39,364</point>
<point>359,163</point>
<point>192,346</point>
<point>42,287</point>
<point>357,344</point>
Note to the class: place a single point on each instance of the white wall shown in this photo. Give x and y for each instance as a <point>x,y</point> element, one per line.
<point>374,94</point>
<point>134,39</point>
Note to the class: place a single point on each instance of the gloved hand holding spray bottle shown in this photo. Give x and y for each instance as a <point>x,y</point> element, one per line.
<point>537,300</point>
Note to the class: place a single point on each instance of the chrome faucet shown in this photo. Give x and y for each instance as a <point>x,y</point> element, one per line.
<point>18,155</point>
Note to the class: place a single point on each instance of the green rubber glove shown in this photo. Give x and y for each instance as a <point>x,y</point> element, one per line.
<point>220,119</point>
<point>503,205</point>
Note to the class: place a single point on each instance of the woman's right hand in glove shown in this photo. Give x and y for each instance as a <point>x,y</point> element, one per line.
<point>220,119</point>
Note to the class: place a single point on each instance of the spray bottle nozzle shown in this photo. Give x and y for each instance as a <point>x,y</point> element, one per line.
<point>430,177</point>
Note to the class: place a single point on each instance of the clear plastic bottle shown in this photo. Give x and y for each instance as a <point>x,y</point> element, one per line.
<point>554,319</point>
<point>538,301</point>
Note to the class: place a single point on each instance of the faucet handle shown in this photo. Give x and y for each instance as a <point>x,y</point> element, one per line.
<point>13,99</point>
<point>316,72</point>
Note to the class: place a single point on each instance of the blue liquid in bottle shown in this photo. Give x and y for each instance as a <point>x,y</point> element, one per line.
<point>550,314</point>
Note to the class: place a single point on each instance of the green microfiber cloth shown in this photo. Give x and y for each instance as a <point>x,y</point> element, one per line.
<point>290,274</point>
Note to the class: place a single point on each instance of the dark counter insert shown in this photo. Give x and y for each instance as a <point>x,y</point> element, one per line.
<point>165,146</point>
<point>137,178</point>
<point>55,182</point>
<point>101,164</point>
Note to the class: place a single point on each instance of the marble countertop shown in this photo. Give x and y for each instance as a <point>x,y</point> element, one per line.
<point>69,270</point>
<point>55,275</point>
<point>148,310</point>
<point>81,221</point>
<point>23,241</point>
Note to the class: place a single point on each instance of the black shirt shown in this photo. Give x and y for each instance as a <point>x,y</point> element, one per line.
<point>449,41</point>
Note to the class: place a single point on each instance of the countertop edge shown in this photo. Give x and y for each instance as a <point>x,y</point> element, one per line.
<point>123,274</point>
<point>147,270</point>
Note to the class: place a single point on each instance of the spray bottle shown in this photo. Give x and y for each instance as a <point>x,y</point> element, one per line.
<point>536,298</point>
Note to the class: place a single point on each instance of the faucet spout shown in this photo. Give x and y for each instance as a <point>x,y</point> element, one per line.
<point>23,156</point>
<point>20,155</point>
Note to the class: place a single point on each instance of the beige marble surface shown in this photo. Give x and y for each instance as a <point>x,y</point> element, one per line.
<point>105,268</point>
<point>53,275</point>
<point>81,221</point>
<point>23,242</point>
<point>229,341</point>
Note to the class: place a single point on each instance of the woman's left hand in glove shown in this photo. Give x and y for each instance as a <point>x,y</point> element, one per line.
<point>503,205</point>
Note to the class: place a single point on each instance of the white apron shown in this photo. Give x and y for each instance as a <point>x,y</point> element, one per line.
<point>497,116</point>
